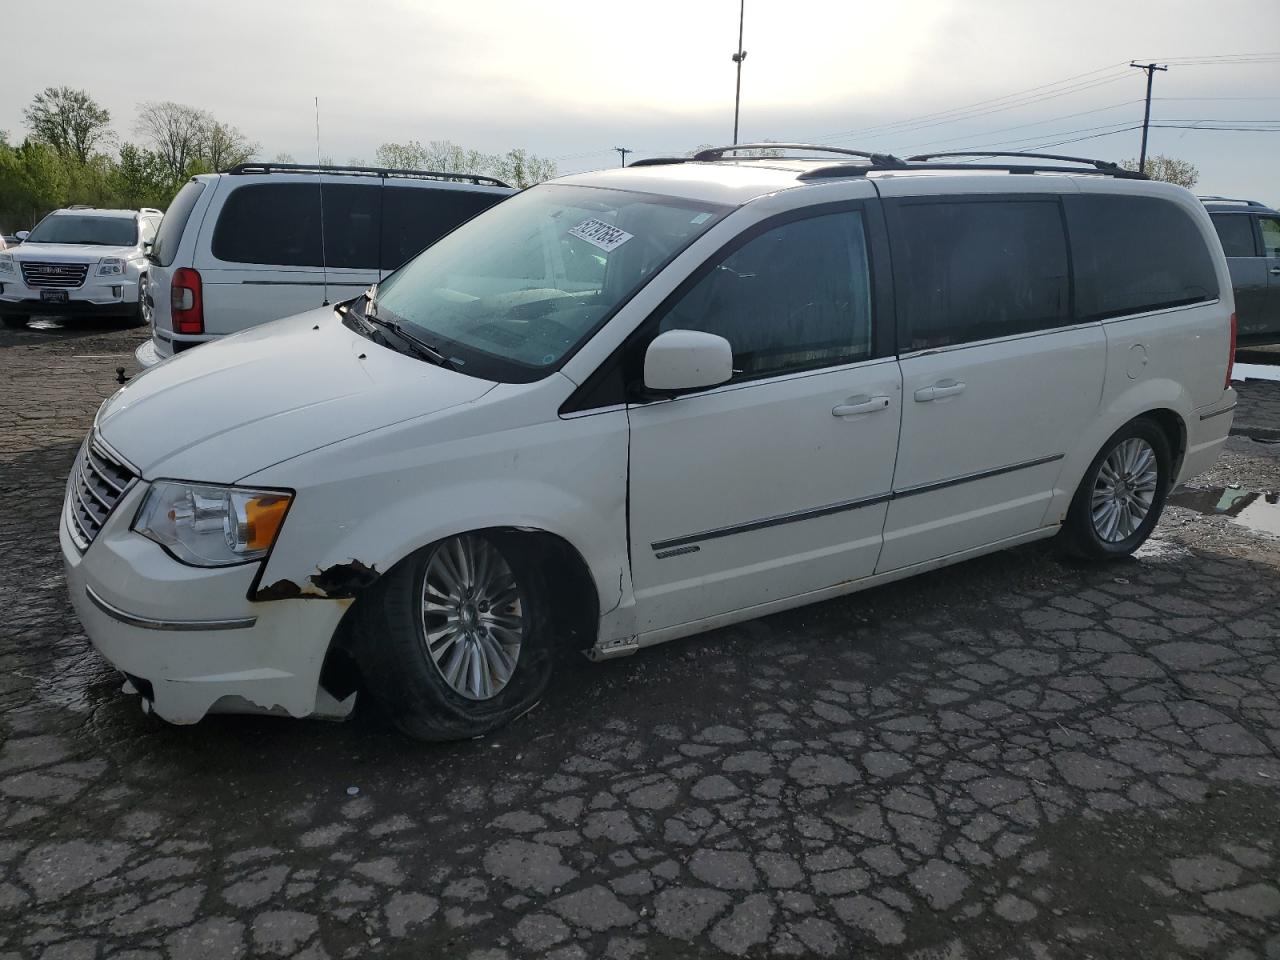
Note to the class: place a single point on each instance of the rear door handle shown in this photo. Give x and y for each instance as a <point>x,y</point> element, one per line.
<point>943,388</point>
<point>1275,271</point>
<point>857,405</point>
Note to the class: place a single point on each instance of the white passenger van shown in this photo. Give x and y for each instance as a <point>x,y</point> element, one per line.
<point>268,240</point>
<point>629,406</point>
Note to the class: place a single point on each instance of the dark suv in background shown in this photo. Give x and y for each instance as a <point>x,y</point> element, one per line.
<point>1250,235</point>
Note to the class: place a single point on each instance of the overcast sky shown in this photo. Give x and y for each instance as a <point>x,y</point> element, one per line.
<point>571,79</point>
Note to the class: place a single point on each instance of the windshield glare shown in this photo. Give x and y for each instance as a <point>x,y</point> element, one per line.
<point>76,228</point>
<point>514,292</point>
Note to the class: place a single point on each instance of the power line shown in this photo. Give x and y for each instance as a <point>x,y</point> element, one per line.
<point>1021,126</point>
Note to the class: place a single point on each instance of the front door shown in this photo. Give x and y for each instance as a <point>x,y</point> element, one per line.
<point>997,381</point>
<point>776,483</point>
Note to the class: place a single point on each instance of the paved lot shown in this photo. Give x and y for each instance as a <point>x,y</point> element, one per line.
<point>1012,758</point>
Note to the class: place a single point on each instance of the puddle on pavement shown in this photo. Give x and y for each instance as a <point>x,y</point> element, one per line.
<point>46,323</point>
<point>1258,511</point>
<point>1255,371</point>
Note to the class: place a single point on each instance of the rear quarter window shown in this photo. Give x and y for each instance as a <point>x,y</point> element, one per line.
<point>270,223</point>
<point>174,223</point>
<point>1135,254</point>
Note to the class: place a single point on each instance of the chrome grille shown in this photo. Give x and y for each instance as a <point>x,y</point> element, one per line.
<point>61,276</point>
<point>97,483</point>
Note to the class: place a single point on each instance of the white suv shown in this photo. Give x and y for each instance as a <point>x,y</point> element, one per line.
<point>629,406</point>
<point>263,241</point>
<point>80,261</point>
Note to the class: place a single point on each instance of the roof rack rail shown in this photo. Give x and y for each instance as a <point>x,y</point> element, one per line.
<point>718,153</point>
<point>1105,165</point>
<point>150,210</point>
<point>1214,199</point>
<point>272,167</point>
<point>658,161</point>
<point>80,206</point>
<point>850,170</point>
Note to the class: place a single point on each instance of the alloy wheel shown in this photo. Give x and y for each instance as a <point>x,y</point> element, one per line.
<point>1124,490</point>
<point>472,617</point>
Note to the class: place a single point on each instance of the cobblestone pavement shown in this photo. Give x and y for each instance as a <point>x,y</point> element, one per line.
<point>1258,409</point>
<point>1016,757</point>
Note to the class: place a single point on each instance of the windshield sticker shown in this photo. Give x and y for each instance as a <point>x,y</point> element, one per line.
<point>701,218</point>
<point>600,234</point>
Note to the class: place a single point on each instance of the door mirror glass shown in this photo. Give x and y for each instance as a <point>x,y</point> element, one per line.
<point>22,234</point>
<point>147,245</point>
<point>687,360</point>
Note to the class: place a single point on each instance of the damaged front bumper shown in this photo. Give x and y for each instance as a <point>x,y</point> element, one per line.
<point>192,633</point>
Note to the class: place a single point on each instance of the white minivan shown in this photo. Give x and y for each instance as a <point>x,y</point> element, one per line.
<point>629,406</point>
<point>267,240</point>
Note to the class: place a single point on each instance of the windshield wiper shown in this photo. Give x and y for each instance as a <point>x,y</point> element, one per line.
<point>376,325</point>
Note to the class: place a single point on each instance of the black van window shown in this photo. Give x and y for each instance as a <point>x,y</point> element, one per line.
<point>967,271</point>
<point>352,224</point>
<point>272,223</point>
<point>1235,230</point>
<point>1134,254</point>
<point>413,218</point>
<point>175,220</point>
<point>796,297</point>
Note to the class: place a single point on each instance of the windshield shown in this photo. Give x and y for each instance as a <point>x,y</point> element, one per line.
<point>511,294</point>
<point>78,228</point>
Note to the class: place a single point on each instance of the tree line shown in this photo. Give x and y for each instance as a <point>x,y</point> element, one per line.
<point>71,154</point>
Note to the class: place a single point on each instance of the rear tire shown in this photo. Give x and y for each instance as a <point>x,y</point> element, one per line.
<point>1119,501</point>
<point>15,321</point>
<point>455,641</point>
<point>141,315</point>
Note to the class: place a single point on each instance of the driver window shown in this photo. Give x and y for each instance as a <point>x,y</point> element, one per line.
<point>796,297</point>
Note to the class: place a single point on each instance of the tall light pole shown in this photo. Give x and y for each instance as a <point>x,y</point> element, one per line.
<point>1150,69</point>
<point>738,58</point>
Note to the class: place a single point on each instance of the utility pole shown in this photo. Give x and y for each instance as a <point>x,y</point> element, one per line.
<point>1150,69</point>
<point>623,151</point>
<point>738,58</point>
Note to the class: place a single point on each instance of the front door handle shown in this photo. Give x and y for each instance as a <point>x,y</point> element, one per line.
<point>943,388</point>
<point>858,405</point>
<point>1275,271</point>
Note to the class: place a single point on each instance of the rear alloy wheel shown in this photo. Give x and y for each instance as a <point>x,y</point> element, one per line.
<point>455,640</point>
<point>1120,499</point>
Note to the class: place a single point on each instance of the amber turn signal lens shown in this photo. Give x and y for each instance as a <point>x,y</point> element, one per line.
<point>265,514</point>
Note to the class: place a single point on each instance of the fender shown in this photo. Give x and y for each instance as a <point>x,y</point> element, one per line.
<point>1138,398</point>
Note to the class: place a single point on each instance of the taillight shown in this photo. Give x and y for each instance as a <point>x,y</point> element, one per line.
<point>1231,357</point>
<point>186,303</point>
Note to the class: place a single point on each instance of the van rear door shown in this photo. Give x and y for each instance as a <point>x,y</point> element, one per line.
<point>263,260</point>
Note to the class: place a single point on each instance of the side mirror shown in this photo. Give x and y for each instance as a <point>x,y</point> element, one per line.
<point>687,360</point>
<point>22,235</point>
<point>147,245</point>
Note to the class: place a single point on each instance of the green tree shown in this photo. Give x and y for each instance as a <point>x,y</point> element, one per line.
<point>221,146</point>
<point>69,120</point>
<point>141,179</point>
<point>1168,169</point>
<point>174,131</point>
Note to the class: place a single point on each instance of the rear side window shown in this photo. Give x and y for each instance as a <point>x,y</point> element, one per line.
<point>413,218</point>
<point>1134,254</point>
<point>175,220</point>
<point>967,271</point>
<point>1235,230</point>
<point>352,224</point>
<point>796,297</point>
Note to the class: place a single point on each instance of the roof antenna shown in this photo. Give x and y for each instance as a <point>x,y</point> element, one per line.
<point>324,253</point>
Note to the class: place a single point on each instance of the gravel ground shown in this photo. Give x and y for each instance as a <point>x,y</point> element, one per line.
<point>1016,757</point>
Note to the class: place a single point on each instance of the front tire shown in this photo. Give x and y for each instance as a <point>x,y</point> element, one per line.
<point>455,640</point>
<point>1122,495</point>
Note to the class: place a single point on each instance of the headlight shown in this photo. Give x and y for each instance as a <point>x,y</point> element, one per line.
<point>6,263</point>
<point>211,526</point>
<point>110,267</point>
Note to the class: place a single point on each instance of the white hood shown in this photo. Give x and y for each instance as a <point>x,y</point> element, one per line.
<point>233,407</point>
<point>70,252</point>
